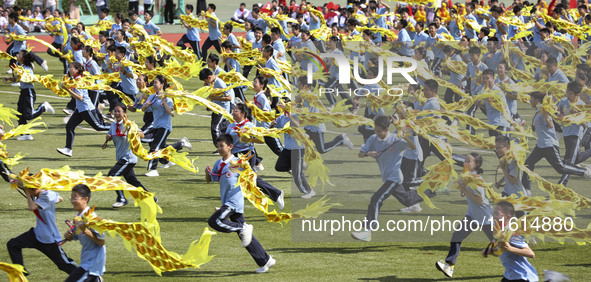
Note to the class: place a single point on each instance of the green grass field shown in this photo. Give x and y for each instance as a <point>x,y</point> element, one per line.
<point>187,202</point>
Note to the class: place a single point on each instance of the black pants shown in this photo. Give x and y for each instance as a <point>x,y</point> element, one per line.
<point>552,155</point>
<point>53,251</point>
<point>459,236</point>
<point>239,93</point>
<point>411,171</point>
<point>148,120</point>
<point>169,11</point>
<point>318,139</point>
<point>274,144</point>
<point>471,112</point>
<point>429,148</point>
<point>268,189</point>
<point>71,105</point>
<point>148,7</point>
<point>80,272</point>
<point>367,131</point>
<point>207,44</point>
<point>133,6</point>
<point>572,154</point>
<point>451,96</point>
<point>26,104</point>
<point>497,132</point>
<point>294,160</point>
<point>405,196</point>
<point>246,70</point>
<point>158,142</point>
<point>227,220</point>
<point>125,169</point>
<point>112,97</point>
<point>218,126</point>
<point>53,54</point>
<point>254,160</point>
<point>194,45</point>
<point>517,280</point>
<point>91,117</point>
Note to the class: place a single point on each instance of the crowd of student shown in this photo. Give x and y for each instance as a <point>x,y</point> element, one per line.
<point>474,47</point>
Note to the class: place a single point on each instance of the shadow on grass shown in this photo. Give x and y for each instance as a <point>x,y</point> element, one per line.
<point>441,248</point>
<point>183,219</point>
<point>195,273</point>
<point>337,250</point>
<point>395,278</point>
<point>578,265</point>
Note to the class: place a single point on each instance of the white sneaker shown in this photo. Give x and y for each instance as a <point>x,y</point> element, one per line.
<point>16,84</point>
<point>259,168</point>
<point>309,195</point>
<point>44,66</point>
<point>362,235</point>
<point>119,204</point>
<point>246,235</point>
<point>68,111</point>
<point>532,241</point>
<point>65,151</point>
<point>25,137</point>
<point>413,208</point>
<point>152,173</point>
<point>527,192</point>
<point>266,267</point>
<point>445,267</point>
<point>9,71</point>
<point>281,201</point>
<point>48,108</point>
<point>186,145</point>
<point>347,142</point>
<point>169,164</point>
<point>588,172</point>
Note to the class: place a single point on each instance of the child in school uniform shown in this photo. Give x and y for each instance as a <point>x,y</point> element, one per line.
<point>495,117</point>
<point>473,70</point>
<point>241,114</point>
<point>45,235</point>
<point>126,160</point>
<point>572,134</point>
<point>316,132</point>
<point>218,122</point>
<point>229,217</point>
<point>162,107</point>
<point>547,146</point>
<point>26,100</point>
<point>387,148</point>
<point>93,255</point>
<point>511,179</point>
<point>516,251</point>
<point>262,102</point>
<point>292,156</point>
<point>479,210</point>
<point>242,117</point>
<point>85,111</point>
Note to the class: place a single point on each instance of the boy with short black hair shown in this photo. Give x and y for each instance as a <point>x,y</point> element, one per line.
<point>516,251</point>
<point>229,217</point>
<point>192,36</point>
<point>473,70</point>
<point>93,255</point>
<point>218,122</point>
<point>45,235</point>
